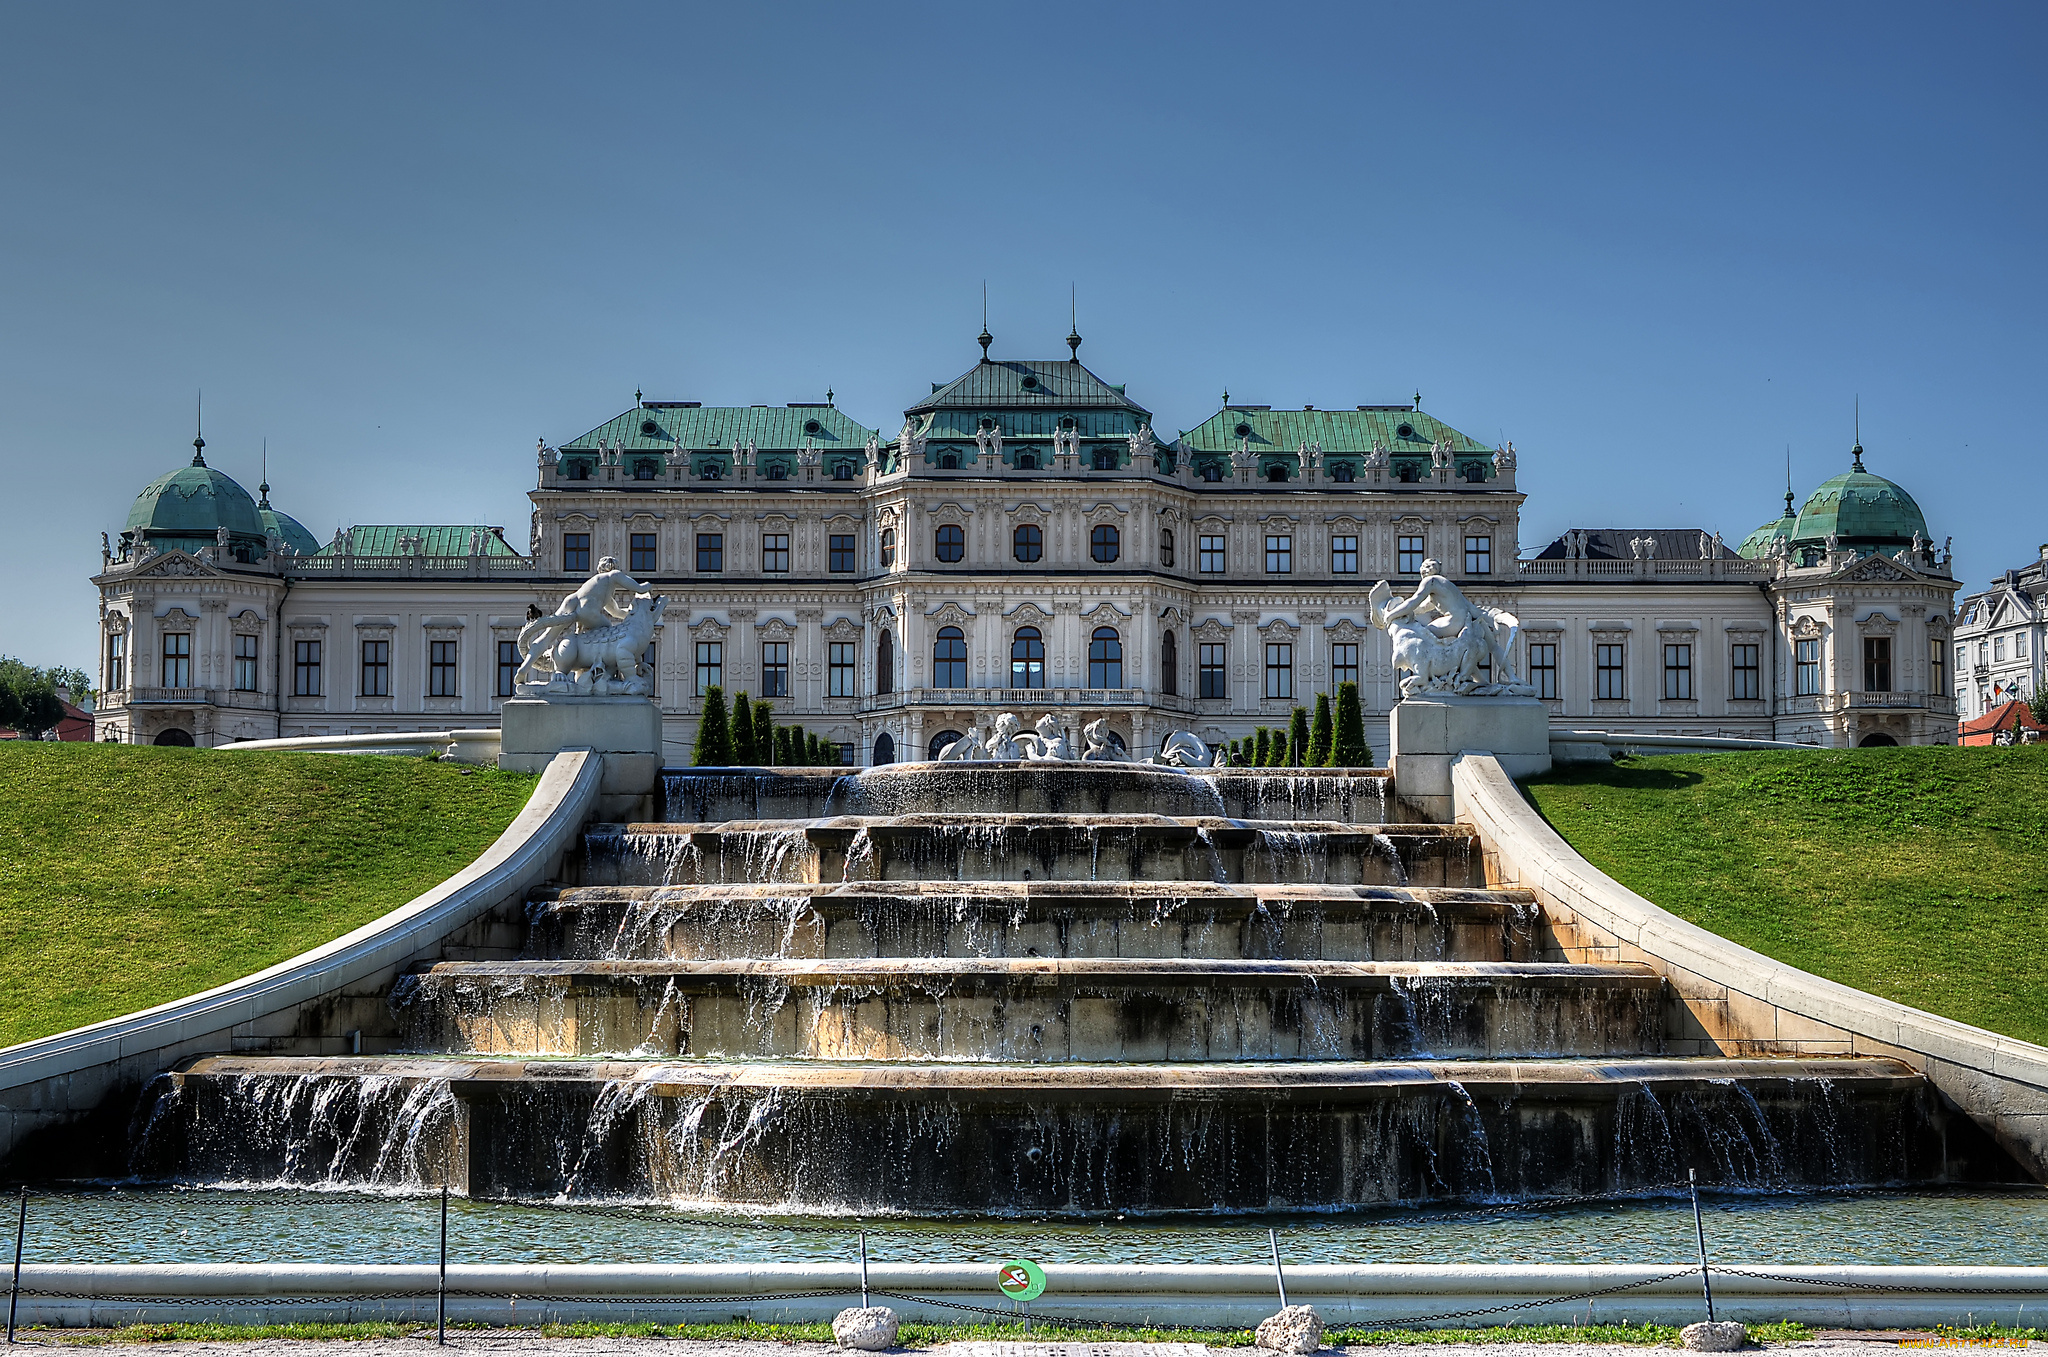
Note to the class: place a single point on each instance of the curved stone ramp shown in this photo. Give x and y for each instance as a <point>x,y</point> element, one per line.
<point>1726,998</point>
<point>1032,1009</point>
<point>49,1086</point>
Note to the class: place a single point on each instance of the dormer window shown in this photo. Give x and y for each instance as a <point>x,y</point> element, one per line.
<point>1105,459</point>
<point>643,470</point>
<point>1404,431</point>
<point>1211,472</point>
<point>1409,472</point>
<point>711,471</point>
<point>777,472</point>
<point>949,461</point>
<point>987,422</point>
<point>842,471</point>
<point>1067,423</point>
<point>812,426</point>
<point>649,429</point>
<point>1027,461</point>
<point>1276,472</point>
<point>1475,473</point>
<point>1342,472</point>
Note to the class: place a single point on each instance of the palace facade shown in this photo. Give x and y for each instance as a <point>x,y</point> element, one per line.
<point>1027,541</point>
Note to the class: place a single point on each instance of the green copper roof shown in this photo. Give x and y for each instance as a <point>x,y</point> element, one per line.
<point>287,529</point>
<point>441,539</point>
<point>1054,384</point>
<point>1861,510</point>
<point>657,427</point>
<point>1339,431</point>
<point>195,500</point>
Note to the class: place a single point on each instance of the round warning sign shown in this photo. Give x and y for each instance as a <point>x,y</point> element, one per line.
<point>1021,1279</point>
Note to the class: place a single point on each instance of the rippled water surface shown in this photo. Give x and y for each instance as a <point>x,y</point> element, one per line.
<point>224,1225</point>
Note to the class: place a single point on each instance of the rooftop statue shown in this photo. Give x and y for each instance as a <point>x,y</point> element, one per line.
<point>1445,643</point>
<point>592,643</point>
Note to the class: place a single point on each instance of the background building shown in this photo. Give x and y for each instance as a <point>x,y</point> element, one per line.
<point>1026,542</point>
<point>1998,638</point>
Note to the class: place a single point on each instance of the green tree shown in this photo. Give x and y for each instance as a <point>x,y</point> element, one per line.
<point>2037,706</point>
<point>742,730</point>
<point>814,751</point>
<point>28,697</point>
<point>1277,756</point>
<point>1319,739</point>
<point>783,758</point>
<point>1350,750</point>
<point>714,734</point>
<point>1297,737</point>
<point>764,730</point>
<point>1262,746</point>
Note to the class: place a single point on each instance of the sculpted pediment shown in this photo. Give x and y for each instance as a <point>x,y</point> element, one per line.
<point>1877,568</point>
<point>178,565</point>
<point>949,614</point>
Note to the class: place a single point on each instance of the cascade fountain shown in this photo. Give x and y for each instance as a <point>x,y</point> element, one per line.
<point>1045,985</point>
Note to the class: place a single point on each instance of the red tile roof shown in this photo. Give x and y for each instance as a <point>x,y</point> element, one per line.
<point>2005,716</point>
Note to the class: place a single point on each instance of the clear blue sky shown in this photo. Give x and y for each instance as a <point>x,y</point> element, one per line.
<point>1652,244</point>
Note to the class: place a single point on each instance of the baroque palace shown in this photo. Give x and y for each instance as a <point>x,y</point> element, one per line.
<point>1026,542</point>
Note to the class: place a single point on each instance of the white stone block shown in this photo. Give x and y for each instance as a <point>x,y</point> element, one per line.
<point>1427,734</point>
<point>869,1330</point>
<point>1297,1328</point>
<point>1709,1337</point>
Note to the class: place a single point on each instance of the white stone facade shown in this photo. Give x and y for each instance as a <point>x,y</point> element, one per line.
<point>1998,639</point>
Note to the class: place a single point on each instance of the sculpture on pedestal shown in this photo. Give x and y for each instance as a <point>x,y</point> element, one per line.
<point>1445,643</point>
<point>591,645</point>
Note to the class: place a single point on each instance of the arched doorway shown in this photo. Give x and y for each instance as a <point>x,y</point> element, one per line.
<point>885,749</point>
<point>939,743</point>
<point>1877,739</point>
<point>175,738</point>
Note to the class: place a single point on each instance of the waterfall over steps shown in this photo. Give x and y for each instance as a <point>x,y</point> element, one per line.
<point>1065,989</point>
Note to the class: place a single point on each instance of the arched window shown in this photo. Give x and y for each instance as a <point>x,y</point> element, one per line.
<point>1027,659</point>
<point>1475,473</point>
<point>1341,471</point>
<point>1409,473</point>
<point>1276,472</point>
<point>885,667</point>
<point>842,471</point>
<point>1027,543</point>
<point>949,543</point>
<point>888,548</point>
<point>949,659</point>
<point>1027,461</point>
<point>939,743</point>
<point>1104,544</point>
<point>1166,547</point>
<point>777,472</point>
<point>1105,459</point>
<point>174,738</point>
<point>643,469</point>
<point>885,749</point>
<point>1105,659</point>
<point>711,471</point>
<point>1211,472</point>
<point>1169,665</point>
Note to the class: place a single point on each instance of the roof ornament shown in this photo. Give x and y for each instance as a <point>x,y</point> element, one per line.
<point>1380,456</point>
<point>1856,453</point>
<point>1074,323</point>
<point>199,432</point>
<point>985,338</point>
<point>264,488</point>
<point>828,395</point>
<point>1418,398</point>
<point>1504,457</point>
<point>1440,452</point>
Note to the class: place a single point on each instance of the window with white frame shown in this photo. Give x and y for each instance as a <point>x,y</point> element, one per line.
<point>441,669</point>
<point>1746,679</point>
<point>1806,667</point>
<point>1344,662</point>
<point>775,669</point>
<point>1543,669</point>
<point>1610,671</point>
<point>117,661</point>
<point>178,659</point>
<point>710,666</point>
<point>305,669</point>
<point>1344,555</point>
<point>1279,555</point>
<point>1478,554</point>
<point>840,659</point>
<point>245,664</point>
<point>376,669</point>
<point>774,552</point>
<point>1213,672</point>
<point>1210,547</point>
<point>1998,649</point>
<point>1677,671</point>
<point>1410,552</point>
<point>1279,669</point>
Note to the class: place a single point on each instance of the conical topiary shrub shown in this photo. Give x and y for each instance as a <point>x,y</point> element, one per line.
<point>764,731</point>
<point>1297,737</point>
<point>714,735</point>
<point>743,730</point>
<point>1320,734</point>
<point>1350,750</point>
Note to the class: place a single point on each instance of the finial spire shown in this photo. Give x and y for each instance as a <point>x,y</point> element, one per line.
<point>1856,453</point>
<point>264,488</point>
<point>828,395</point>
<point>199,432</point>
<point>1788,480</point>
<point>1074,324</point>
<point>1418,398</point>
<point>985,338</point>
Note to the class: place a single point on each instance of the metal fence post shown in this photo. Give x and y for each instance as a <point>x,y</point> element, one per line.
<point>863,1269</point>
<point>441,1301</point>
<point>14,1291</point>
<point>1699,1230</point>
<point>1279,1279</point>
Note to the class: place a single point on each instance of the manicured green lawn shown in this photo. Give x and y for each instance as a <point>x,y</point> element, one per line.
<point>1915,874</point>
<point>131,875</point>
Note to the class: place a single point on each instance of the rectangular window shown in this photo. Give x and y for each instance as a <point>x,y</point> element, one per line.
<point>839,669</point>
<point>1279,669</point>
<point>1279,555</point>
<point>1410,555</point>
<point>1962,658</point>
<point>640,554</point>
<point>1166,547</point>
<point>840,559</point>
<point>1213,670</point>
<point>1211,550</point>
<point>845,754</point>
<point>376,669</point>
<point>711,666</point>
<point>1479,555</point>
<point>1344,662</point>
<point>775,669</point>
<point>1937,681</point>
<point>1543,669</point>
<point>1806,668</point>
<point>1877,664</point>
<point>117,662</point>
<point>2019,645</point>
<point>177,659</point>
<point>576,552</point>
<point>1344,555</point>
<point>1748,675</point>
<point>1678,672</point>
<point>711,551</point>
<point>306,669</point>
<point>245,664</point>
<point>441,678</point>
<point>1610,677</point>
<point>1998,648</point>
<point>508,667</point>
<point>774,552</point>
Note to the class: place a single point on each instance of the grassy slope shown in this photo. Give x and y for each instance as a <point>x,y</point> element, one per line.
<point>1915,874</point>
<point>131,875</point>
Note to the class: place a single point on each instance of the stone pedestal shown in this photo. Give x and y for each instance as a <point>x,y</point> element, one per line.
<point>1428,733</point>
<point>626,731</point>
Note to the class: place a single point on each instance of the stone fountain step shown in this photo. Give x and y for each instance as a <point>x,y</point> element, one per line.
<point>1070,847</point>
<point>1033,1009</point>
<point>1011,1138</point>
<point>1355,795</point>
<point>1034,918</point>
